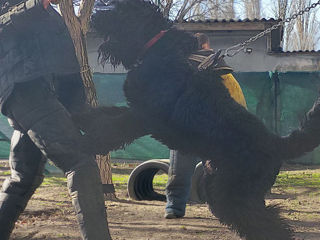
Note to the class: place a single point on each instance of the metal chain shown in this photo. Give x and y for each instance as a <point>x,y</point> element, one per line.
<point>239,47</point>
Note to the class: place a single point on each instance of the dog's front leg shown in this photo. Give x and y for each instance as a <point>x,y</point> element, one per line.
<point>108,128</point>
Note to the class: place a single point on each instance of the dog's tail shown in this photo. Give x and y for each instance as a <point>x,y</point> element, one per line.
<point>305,139</point>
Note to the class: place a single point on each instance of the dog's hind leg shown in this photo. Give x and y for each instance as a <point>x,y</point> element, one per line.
<point>238,202</point>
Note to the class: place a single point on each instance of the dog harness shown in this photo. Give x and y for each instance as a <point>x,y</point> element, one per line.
<point>212,60</point>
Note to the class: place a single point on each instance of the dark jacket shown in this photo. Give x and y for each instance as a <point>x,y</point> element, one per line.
<point>43,50</point>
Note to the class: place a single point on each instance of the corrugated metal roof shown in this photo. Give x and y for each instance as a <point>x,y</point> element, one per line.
<point>263,20</point>
<point>302,51</point>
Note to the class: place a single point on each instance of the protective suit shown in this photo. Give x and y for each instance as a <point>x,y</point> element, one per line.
<point>38,65</point>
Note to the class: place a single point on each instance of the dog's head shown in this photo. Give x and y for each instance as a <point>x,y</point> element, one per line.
<point>126,26</point>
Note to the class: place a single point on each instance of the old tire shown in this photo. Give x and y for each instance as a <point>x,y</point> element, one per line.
<point>140,183</point>
<point>197,193</point>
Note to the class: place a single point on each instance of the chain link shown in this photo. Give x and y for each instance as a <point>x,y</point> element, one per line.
<point>231,51</point>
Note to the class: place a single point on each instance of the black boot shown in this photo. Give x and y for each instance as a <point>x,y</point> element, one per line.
<point>13,200</point>
<point>10,208</point>
<point>26,166</point>
<point>86,192</point>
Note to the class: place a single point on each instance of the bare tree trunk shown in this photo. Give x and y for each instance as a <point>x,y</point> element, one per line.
<point>167,8</point>
<point>216,12</point>
<point>281,10</point>
<point>78,27</point>
<point>305,29</point>
<point>230,14</point>
<point>104,165</point>
<point>302,33</point>
<point>252,9</point>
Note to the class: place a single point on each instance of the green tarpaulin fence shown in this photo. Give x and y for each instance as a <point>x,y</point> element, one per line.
<point>280,100</point>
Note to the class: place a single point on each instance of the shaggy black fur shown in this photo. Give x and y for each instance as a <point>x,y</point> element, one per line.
<point>193,112</point>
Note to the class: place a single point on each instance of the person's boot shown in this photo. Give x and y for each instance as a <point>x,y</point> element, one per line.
<point>11,207</point>
<point>86,192</point>
<point>14,196</point>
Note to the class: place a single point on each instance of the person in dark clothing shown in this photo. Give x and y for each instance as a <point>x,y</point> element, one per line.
<point>38,67</point>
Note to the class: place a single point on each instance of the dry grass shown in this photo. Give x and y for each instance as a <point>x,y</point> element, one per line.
<point>49,214</point>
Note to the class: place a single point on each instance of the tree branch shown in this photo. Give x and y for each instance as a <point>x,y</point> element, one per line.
<point>166,10</point>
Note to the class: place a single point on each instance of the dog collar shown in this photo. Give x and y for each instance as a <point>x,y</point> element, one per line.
<point>148,45</point>
<point>152,41</point>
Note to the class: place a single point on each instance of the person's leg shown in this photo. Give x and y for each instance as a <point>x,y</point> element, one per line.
<point>26,164</point>
<point>49,126</point>
<point>178,186</point>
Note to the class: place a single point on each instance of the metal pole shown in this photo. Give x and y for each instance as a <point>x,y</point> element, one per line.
<point>276,80</point>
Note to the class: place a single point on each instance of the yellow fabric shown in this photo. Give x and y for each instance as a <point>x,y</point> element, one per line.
<point>234,89</point>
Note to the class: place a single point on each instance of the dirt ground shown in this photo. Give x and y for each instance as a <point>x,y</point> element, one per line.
<point>49,215</point>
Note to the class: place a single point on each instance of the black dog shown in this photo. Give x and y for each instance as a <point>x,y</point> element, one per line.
<point>193,112</point>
